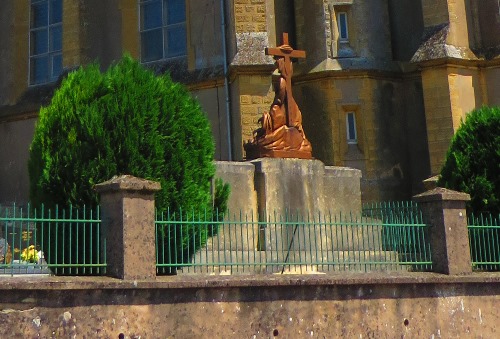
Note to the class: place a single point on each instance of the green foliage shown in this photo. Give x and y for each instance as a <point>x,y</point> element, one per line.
<point>123,121</point>
<point>473,161</point>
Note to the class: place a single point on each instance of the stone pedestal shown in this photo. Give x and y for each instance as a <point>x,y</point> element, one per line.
<point>294,189</point>
<point>275,192</point>
<point>128,218</point>
<point>445,211</point>
<point>242,205</point>
<point>305,186</point>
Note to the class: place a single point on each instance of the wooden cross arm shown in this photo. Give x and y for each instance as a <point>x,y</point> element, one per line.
<point>283,52</point>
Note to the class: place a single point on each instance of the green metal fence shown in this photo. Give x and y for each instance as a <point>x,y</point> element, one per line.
<point>484,240</point>
<point>380,239</point>
<point>51,241</point>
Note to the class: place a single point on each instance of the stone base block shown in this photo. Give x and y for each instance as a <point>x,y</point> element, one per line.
<point>294,262</point>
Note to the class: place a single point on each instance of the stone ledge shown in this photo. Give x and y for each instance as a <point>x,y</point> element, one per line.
<point>441,194</point>
<point>127,183</point>
<point>42,283</point>
<point>342,172</point>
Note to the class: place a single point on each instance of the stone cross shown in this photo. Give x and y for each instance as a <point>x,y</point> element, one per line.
<point>287,52</point>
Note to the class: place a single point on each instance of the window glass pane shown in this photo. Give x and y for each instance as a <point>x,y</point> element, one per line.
<point>151,15</point>
<point>176,11</point>
<point>343,25</point>
<point>176,41</point>
<point>39,70</point>
<point>39,42</point>
<point>55,11</point>
<point>56,38</point>
<point>39,14</point>
<point>56,65</point>
<point>152,45</point>
<point>351,127</point>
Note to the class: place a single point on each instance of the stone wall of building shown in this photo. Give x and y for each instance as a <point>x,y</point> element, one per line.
<point>14,150</point>
<point>14,51</point>
<point>204,34</point>
<point>407,26</point>
<point>488,12</point>
<point>6,55</point>
<point>466,93</point>
<point>450,92</point>
<point>438,119</point>
<point>491,76</point>
<point>435,12</point>
<point>213,103</point>
<point>383,125</point>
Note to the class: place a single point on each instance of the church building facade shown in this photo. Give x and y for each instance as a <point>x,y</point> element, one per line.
<point>383,88</point>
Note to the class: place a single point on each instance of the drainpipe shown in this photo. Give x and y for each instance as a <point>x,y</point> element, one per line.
<point>226,79</point>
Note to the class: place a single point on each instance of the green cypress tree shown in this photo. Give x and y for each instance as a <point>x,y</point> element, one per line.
<point>123,121</point>
<point>473,161</point>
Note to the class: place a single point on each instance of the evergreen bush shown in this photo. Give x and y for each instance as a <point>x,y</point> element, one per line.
<point>473,161</point>
<point>123,121</point>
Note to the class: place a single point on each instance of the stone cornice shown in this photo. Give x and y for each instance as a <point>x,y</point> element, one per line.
<point>463,63</point>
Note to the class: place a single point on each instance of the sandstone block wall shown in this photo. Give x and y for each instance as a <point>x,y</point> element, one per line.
<point>250,15</point>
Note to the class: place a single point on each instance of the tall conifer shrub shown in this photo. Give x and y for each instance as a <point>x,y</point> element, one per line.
<point>123,121</point>
<point>473,161</point>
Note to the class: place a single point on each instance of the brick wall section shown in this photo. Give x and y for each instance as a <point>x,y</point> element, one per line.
<point>250,16</point>
<point>256,98</point>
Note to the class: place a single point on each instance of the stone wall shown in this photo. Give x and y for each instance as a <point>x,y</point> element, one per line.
<point>286,306</point>
<point>450,92</point>
<point>14,50</point>
<point>491,76</point>
<point>435,12</point>
<point>388,134</point>
<point>439,120</point>
<point>255,99</point>
<point>453,302</point>
<point>14,150</point>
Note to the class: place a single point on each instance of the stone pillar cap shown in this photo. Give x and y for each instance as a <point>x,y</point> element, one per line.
<point>441,194</point>
<point>128,183</point>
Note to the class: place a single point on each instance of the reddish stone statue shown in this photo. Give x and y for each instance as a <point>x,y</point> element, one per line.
<point>281,134</point>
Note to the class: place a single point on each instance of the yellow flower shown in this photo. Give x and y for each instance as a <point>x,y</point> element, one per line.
<point>30,254</point>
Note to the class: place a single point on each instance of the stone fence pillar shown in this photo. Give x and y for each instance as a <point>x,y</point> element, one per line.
<point>444,210</point>
<point>128,218</point>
